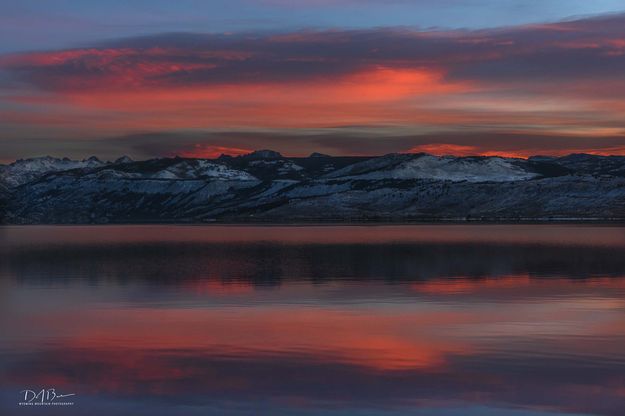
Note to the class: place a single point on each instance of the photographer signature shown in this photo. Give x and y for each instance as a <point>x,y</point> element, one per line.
<point>43,396</point>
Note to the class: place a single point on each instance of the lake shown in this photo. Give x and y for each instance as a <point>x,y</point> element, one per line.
<point>314,320</point>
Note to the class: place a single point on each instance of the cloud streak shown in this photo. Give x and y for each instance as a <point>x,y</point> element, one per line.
<point>583,48</point>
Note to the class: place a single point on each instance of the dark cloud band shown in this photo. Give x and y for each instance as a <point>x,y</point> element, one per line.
<point>581,50</point>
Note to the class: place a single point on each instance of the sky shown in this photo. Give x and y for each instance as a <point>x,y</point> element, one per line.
<point>343,77</point>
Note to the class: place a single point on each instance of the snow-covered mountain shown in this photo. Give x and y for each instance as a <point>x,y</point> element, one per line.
<point>123,159</point>
<point>27,170</point>
<point>424,166</point>
<point>266,186</point>
<point>201,169</point>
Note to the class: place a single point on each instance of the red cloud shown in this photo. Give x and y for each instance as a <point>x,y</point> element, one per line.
<point>558,79</point>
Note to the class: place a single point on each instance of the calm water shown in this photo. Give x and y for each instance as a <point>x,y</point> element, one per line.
<point>389,320</point>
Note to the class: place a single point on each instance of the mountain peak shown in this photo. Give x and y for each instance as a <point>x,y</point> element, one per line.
<point>263,154</point>
<point>123,159</point>
<point>317,154</point>
<point>26,170</point>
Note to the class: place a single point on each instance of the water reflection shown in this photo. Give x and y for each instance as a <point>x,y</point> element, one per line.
<point>449,320</point>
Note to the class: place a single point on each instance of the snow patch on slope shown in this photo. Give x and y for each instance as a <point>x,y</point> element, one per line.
<point>202,169</point>
<point>26,170</point>
<point>476,169</point>
<point>282,166</point>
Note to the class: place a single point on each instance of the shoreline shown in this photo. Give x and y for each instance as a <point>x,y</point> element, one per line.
<point>342,222</point>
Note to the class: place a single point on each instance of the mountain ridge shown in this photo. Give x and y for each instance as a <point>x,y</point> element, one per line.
<point>266,186</point>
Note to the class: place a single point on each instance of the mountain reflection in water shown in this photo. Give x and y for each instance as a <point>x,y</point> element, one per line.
<point>425,320</point>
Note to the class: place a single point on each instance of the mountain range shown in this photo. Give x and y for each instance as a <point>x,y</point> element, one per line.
<point>265,186</point>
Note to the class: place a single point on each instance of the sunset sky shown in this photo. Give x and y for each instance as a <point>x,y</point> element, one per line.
<point>343,77</point>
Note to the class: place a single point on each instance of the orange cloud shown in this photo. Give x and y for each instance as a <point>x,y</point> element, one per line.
<point>374,96</point>
<point>378,84</point>
<point>562,78</point>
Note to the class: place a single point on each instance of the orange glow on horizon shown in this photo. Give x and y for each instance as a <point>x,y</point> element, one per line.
<point>200,151</point>
<point>445,149</point>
